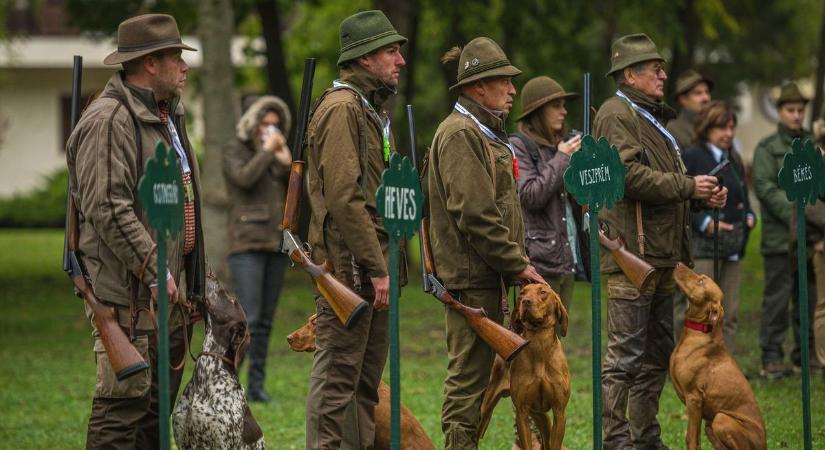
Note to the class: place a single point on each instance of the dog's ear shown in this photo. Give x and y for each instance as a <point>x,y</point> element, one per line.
<point>561,316</point>
<point>240,342</point>
<point>515,317</point>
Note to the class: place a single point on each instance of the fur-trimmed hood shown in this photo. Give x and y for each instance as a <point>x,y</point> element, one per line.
<point>245,129</point>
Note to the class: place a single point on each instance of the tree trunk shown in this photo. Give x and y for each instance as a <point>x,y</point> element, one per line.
<point>684,46</point>
<point>276,72</point>
<point>220,113</point>
<point>820,76</point>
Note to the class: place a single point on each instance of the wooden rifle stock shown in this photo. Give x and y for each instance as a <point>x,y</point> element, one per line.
<point>637,270</point>
<point>123,356</point>
<point>345,303</point>
<point>504,342</point>
<point>295,190</point>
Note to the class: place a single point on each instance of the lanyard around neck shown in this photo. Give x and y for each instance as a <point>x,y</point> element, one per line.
<point>649,117</point>
<point>490,135</point>
<point>383,121</point>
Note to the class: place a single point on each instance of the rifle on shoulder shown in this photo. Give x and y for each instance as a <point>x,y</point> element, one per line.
<point>346,304</point>
<point>123,356</point>
<point>504,342</point>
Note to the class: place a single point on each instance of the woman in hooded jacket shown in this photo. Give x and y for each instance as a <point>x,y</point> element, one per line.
<point>256,169</point>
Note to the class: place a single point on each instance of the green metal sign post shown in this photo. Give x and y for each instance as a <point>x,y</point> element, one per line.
<point>801,177</point>
<point>596,179</point>
<point>161,194</point>
<point>399,201</point>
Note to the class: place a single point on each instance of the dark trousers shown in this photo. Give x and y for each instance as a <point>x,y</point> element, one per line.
<point>639,344</point>
<point>125,413</point>
<point>782,291</point>
<point>345,374</point>
<point>258,279</point>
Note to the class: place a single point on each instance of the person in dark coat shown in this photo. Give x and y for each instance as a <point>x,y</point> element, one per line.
<point>543,154</point>
<point>715,127</point>
<point>256,168</point>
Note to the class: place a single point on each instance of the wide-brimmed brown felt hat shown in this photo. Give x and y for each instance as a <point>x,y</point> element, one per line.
<point>539,91</point>
<point>145,34</point>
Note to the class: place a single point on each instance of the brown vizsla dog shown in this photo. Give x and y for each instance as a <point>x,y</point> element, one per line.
<point>538,379</point>
<point>706,377</point>
<point>413,435</point>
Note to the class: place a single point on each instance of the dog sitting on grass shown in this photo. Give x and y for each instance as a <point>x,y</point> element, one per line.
<point>212,412</point>
<point>705,375</point>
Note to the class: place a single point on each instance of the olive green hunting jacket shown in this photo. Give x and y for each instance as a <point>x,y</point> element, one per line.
<point>655,177</point>
<point>476,226</point>
<point>342,177</point>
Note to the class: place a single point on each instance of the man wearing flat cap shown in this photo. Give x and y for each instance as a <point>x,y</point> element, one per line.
<point>653,218</point>
<point>106,153</point>
<point>476,227</point>
<point>349,141</point>
<point>692,93</point>
<point>781,280</point>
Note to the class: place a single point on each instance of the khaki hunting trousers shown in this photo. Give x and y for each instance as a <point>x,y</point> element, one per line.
<point>470,360</point>
<point>639,344</point>
<point>125,413</point>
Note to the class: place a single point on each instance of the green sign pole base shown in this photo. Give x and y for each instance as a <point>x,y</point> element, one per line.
<point>163,345</point>
<point>596,329</point>
<point>802,258</point>
<point>395,354</point>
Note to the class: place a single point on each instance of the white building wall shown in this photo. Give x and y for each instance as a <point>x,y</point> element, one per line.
<point>32,144</point>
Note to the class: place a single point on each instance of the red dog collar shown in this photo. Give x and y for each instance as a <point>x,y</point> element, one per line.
<point>703,327</point>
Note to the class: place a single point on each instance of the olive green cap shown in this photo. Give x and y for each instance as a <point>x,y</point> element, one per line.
<point>790,93</point>
<point>482,58</point>
<point>539,91</point>
<point>364,32</point>
<point>632,49</point>
<point>688,80</point>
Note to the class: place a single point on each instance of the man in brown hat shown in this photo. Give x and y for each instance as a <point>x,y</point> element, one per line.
<point>476,228</point>
<point>653,219</point>
<point>349,141</point>
<point>693,93</point>
<point>781,281</point>
<point>106,152</point>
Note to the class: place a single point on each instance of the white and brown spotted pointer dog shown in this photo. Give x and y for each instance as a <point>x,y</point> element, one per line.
<point>212,412</point>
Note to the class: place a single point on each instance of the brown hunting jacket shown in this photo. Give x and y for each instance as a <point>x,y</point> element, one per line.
<point>255,184</point>
<point>476,227</point>
<point>655,177</point>
<point>114,238</point>
<point>345,228</point>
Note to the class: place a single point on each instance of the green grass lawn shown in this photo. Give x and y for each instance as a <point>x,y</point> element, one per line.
<point>47,369</point>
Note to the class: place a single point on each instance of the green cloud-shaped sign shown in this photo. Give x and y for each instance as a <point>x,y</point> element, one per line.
<point>802,172</point>
<point>596,174</point>
<point>399,199</point>
<point>161,192</point>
